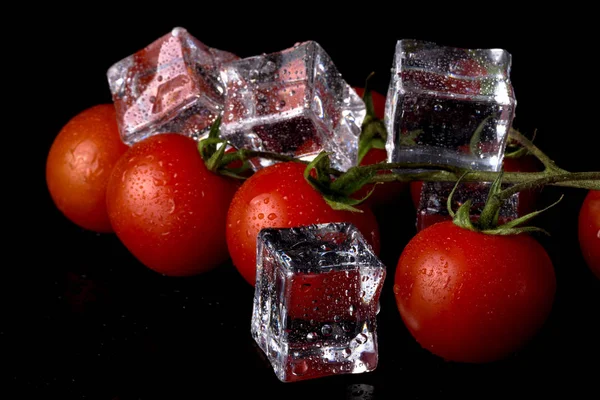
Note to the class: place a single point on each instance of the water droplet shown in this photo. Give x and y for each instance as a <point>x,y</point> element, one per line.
<point>361,338</point>
<point>437,107</point>
<point>311,337</point>
<point>171,204</point>
<point>300,367</point>
<point>326,330</point>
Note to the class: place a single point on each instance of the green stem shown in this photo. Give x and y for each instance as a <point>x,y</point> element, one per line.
<point>593,178</point>
<point>406,172</point>
<point>247,154</point>
<point>583,180</point>
<point>590,177</point>
<point>534,150</point>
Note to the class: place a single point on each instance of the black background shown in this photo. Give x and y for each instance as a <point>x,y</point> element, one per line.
<point>84,319</point>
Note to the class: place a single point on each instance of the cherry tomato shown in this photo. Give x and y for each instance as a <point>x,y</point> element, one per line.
<point>279,196</point>
<point>589,230</point>
<point>167,208</point>
<point>470,297</point>
<point>79,164</point>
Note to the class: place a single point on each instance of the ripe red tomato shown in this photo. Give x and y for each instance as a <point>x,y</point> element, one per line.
<point>79,164</point>
<point>470,297</point>
<point>589,230</point>
<point>167,208</point>
<point>279,196</point>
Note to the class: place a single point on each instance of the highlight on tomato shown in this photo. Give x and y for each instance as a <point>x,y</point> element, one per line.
<point>474,295</point>
<point>280,196</point>
<point>167,208</point>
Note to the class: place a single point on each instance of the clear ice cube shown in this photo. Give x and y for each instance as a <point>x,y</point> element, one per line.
<point>433,200</point>
<point>316,301</point>
<point>448,105</point>
<point>293,102</point>
<point>172,85</point>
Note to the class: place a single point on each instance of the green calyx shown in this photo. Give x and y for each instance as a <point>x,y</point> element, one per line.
<point>213,152</point>
<point>373,133</point>
<point>488,221</point>
<point>337,191</point>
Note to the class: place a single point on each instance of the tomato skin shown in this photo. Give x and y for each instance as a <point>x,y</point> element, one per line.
<point>279,196</point>
<point>79,164</point>
<point>470,297</point>
<point>167,208</point>
<point>589,230</point>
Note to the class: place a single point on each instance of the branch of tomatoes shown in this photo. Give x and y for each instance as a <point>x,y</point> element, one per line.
<point>340,189</point>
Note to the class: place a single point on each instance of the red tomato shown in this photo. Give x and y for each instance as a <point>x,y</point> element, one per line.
<point>589,230</point>
<point>279,196</point>
<point>79,164</point>
<point>167,208</point>
<point>470,297</point>
<point>378,101</point>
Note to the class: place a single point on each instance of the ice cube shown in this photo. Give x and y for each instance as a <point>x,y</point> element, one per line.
<point>172,85</point>
<point>316,301</point>
<point>448,105</point>
<point>433,208</point>
<point>293,102</point>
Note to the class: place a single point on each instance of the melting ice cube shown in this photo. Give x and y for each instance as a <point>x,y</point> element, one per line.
<point>316,301</point>
<point>172,85</point>
<point>448,105</point>
<point>293,102</point>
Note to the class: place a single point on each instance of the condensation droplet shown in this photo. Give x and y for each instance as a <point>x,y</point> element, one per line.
<point>300,368</point>
<point>326,330</point>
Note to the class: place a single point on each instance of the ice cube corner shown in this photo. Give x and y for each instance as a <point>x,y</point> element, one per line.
<point>316,301</point>
<point>171,85</point>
